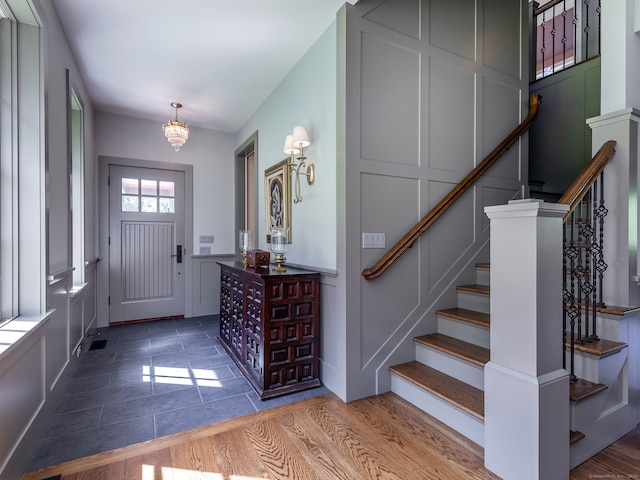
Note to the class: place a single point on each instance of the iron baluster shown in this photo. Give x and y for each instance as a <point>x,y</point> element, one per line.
<point>553,42</point>
<point>571,308</point>
<point>564,35</point>
<point>586,29</point>
<point>543,49</point>
<point>565,296</point>
<point>588,287</point>
<point>599,11</point>
<point>578,271</point>
<point>601,266</point>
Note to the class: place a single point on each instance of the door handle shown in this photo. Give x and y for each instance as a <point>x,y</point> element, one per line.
<point>178,254</point>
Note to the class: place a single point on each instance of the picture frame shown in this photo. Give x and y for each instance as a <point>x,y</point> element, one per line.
<point>277,191</point>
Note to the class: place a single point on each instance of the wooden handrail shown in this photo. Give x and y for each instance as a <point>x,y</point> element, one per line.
<point>436,212</point>
<point>588,176</point>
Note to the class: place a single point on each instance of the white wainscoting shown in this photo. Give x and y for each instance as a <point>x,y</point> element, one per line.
<point>205,289</point>
<point>36,367</point>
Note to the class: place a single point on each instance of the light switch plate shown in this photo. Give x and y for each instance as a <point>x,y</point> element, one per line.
<point>373,240</point>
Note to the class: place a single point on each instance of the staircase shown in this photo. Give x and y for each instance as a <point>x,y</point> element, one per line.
<point>446,379</point>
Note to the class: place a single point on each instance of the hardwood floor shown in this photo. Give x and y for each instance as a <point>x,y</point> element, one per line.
<point>380,437</point>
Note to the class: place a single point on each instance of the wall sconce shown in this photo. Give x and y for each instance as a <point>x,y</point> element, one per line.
<point>293,145</point>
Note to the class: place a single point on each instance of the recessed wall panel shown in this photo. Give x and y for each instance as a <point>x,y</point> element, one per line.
<point>451,137</point>
<point>461,40</point>
<point>22,396</point>
<point>401,16</point>
<point>76,321</point>
<point>330,347</point>
<point>502,24</point>
<point>554,160</point>
<point>452,234</point>
<point>390,103</point>
<point>209,280</point>
<point>390,205</point>
<point>57,334</point>
<point>500,115</point>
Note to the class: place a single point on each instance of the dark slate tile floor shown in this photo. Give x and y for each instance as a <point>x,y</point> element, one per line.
<point>149,380</point>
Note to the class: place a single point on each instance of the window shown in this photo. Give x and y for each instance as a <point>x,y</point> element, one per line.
<point>22,172</point>
<point>8,166</point>
<point>77,186</point>
<point>148,196</point>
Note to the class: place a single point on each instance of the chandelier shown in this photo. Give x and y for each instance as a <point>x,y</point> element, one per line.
<point>176,132</point>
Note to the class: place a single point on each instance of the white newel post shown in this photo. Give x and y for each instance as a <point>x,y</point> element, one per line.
<point>526,388</point>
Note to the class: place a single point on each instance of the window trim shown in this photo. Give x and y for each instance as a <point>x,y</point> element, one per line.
<point>23,161</point>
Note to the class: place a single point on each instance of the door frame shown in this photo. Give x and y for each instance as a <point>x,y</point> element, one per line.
<point>104,162</point>
<point>248,146</point>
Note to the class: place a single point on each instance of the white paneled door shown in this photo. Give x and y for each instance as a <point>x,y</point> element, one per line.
<point>146,243</point>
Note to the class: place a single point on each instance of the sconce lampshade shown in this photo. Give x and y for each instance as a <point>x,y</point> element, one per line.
<point>289,149</point>
<point>293,145</point>
<point>300,137</point>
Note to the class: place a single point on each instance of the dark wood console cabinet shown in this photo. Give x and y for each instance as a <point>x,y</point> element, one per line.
<point>269,325</point>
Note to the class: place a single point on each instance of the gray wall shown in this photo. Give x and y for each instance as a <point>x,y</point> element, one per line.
<point>431,88</point>
<point>306,96</point>
<point>560,139</point>
<point>312,82</point>
<point>209,155</point>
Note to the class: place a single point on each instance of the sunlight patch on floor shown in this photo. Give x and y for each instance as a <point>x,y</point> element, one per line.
<point>181,376</point>
<point>170,473</point>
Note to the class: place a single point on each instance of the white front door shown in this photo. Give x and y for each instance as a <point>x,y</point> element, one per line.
<point>146,243</point>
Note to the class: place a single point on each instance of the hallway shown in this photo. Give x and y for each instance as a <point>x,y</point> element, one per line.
<point>149,380</point>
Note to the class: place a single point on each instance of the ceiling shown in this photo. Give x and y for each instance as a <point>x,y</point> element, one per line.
<point>219,58</point>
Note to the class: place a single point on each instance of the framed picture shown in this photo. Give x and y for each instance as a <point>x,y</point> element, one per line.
<point>277,191</point>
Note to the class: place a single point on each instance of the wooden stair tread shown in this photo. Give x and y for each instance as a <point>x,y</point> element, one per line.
<point>581,389</point>
<point>600,348</point>
<point>475,288</point>
<point>616,310</point>
<point>458,348</point>
<point>466,315</point>
<point>465,397</point>
<point>483,265</point>
<point>575,437</point>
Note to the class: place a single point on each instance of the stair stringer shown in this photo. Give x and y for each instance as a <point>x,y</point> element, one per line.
<point>399,348</point>
<point>625,327</point>
<point>604,417</point>
<point>600,427</point>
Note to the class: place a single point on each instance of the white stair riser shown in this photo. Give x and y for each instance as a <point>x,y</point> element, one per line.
<point>613,327</point>
<point>452,366</point>
<point>452,416</point>
<point>474,301</point>
<point>468,332</point>
<point>483,276</point>
<point>597,369</point>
